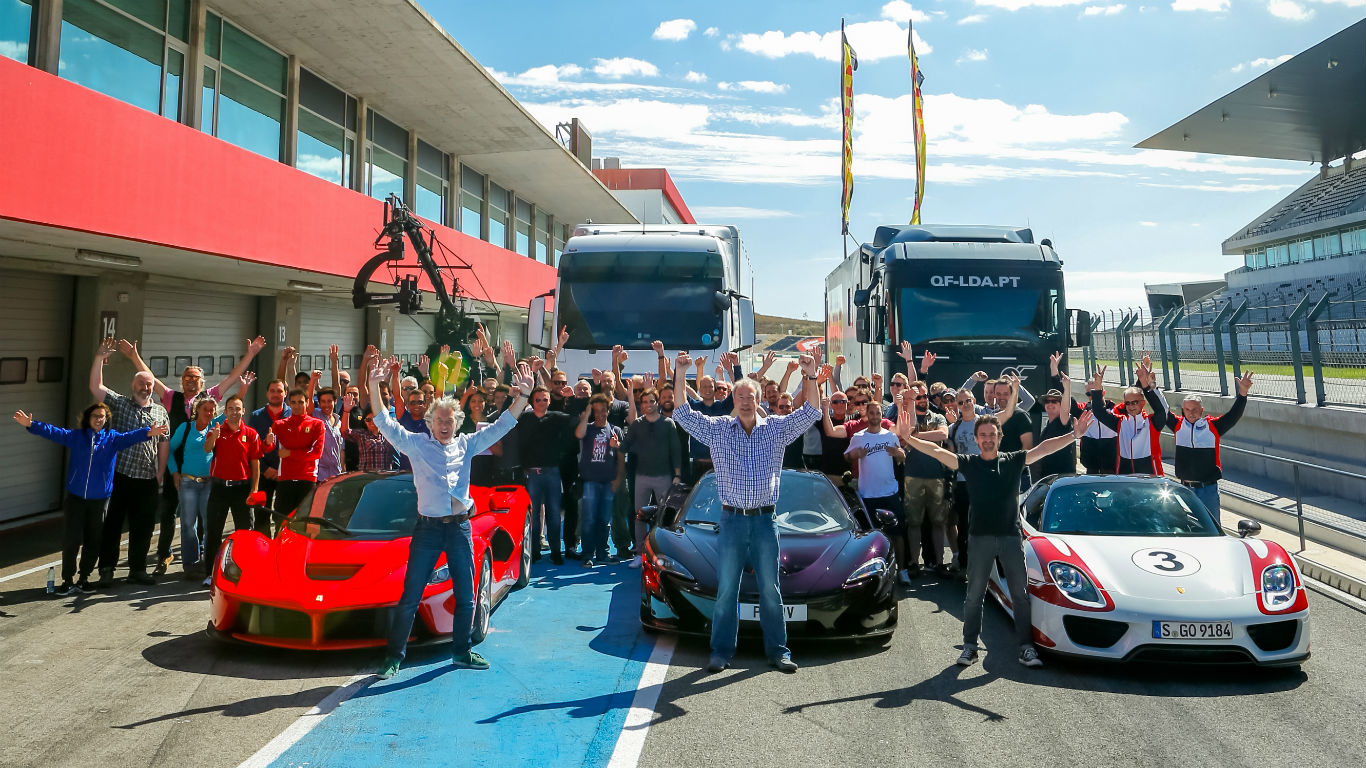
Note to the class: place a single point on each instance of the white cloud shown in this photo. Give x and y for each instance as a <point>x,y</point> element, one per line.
<point>551,78</point>
<point>1263,62</point>
<point>1212,6</point>
<point>11,49</point>
<point>624,67</point>
<point>1015,5</point>
<point>675,29</point>
<point>729,212</point>
<point>1288,9</point>
<point>1216,187</point>
<point>1103,10</point>
<point>976,18</point>
<point>550,73</point>
<point>711,31</point>
<point>871,40</point>
<point>973,54</point>
<point>900,10</point>
<point>1113,290</point>
<point>1147,223</point>
<point>695,77</point>
<point>753,86</point>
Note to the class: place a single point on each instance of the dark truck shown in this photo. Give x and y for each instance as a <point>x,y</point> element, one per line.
<point>979,297</point>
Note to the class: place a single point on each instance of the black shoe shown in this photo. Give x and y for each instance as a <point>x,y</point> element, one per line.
<point>716,664</point>
<point>914,572</point>
<point>587,562</point>
<point>557,559</point>
<point>83,586</point>
<point>535,557</point>
<point>64,589</point>
<point>944,570</point>
<point>573,553</point>
<point>105,582</point>
<point>785,664</point>
<point>141,577</point>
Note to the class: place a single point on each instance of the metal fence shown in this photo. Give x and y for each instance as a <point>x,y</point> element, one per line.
<point>1309,350</point>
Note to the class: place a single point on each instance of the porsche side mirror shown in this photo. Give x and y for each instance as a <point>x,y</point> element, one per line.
<point>886,518</point>
<point>648,514</point>
<point>1249,528</point>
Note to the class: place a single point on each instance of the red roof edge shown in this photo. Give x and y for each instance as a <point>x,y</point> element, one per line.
<point>646,178</point>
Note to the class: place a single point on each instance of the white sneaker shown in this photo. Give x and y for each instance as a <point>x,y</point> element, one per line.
<point>207,582</point>
<point>635,562</point>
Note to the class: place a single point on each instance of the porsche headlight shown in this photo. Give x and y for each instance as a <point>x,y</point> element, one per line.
<point>669,565</point>
<point>875,567</point>
<point>439,575</point>
<point>1278,586</point>
<point>1074,583</point>
<point>230,569</point>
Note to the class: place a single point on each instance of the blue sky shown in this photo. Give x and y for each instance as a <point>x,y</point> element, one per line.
<point>1032,109</point>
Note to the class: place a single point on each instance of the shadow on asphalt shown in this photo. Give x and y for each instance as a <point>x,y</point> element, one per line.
<point>944,686</point>
<point>246,707</point>
<point>197,653</point>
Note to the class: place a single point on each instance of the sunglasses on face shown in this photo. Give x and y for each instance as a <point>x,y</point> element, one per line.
<point>1051,401</point>
<point>965,402</point>
<point>840,401</point>
<point>1127,401</point>
<point>922,397</point>
<point>897,384</point>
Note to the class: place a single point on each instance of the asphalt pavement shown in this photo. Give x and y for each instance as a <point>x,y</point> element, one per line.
<point>128,678</point>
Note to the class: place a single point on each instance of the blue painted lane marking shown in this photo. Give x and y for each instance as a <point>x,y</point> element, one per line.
<point>567,655</point>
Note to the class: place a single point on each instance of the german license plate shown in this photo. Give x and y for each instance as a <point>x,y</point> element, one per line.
<point>1192,630</point>
<point>750,612</point>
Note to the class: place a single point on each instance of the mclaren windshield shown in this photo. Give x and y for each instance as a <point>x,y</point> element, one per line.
<point>807,505</point>
<point>609,298</point>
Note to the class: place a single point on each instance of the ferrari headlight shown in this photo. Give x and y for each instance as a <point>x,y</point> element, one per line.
<point>229,567</point>
<point>1278,586</point>
<point>1074,582</point>
<point>440,575</point>
<point>670,565</point>
<point>875,567</point>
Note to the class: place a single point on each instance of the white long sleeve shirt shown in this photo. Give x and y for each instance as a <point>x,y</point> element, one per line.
<point>441,472</point>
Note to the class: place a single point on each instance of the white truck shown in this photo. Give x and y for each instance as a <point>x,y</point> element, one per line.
<point>687,285</point>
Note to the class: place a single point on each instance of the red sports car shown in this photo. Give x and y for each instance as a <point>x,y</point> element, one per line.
<point>332,576</point>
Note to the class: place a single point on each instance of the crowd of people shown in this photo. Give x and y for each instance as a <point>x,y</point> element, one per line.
<point>593,452</point>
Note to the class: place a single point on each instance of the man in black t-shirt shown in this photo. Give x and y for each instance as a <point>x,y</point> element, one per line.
<point>993,481</point>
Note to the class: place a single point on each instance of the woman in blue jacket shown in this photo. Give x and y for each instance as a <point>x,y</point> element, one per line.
<point>89,482</point>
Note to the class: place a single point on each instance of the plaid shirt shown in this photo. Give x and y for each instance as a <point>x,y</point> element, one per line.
<point>747,465</point>
<point>139,461</point>
<point>376,454</point>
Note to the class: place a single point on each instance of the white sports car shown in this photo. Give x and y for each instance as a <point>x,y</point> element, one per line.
<point>1134,567</point>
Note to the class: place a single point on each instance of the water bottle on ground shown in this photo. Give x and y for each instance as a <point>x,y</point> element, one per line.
<point>51,574</point>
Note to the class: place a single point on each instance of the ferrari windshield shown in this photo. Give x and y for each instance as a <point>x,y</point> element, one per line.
<point>1126,509</point>
<point>373,507</point>
<point>807,505</point>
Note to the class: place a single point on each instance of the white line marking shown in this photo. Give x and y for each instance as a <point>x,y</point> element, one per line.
<point>306,722</point>
<point>637,726</point>
<point>55,563</point>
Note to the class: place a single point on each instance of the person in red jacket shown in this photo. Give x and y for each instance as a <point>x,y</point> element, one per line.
<point>235,473</point>
<point>299,441</point>
<point>1140,451</point>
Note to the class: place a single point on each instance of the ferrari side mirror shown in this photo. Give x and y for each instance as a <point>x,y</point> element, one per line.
<point>1249,528</point>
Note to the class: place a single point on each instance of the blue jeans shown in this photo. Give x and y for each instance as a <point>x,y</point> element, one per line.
<point>431,537</point>
<point>543,486</point>
<point>1209,496</point>
<point>594,515</point>
<point>194,521</point>
<point>753,540</point>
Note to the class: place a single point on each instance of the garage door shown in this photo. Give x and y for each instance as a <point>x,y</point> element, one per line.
<point>35,313</point>
<point>325,322</point>
<point>412,335</point>
<point>207,328</point>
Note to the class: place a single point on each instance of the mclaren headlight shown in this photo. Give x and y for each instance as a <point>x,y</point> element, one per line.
<point>669,565</point>
<point>440,575</point>
<point>1278,586</point>
<point>230,569</point>
<point>1074,583</point>
<point>869,570</point>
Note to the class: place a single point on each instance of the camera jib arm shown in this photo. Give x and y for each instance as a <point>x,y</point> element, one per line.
<point>399,223</point>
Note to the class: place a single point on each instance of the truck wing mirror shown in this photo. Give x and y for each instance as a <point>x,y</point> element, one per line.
<point>720,301</point>
<point>861,320</point>
<point>1081,337</point>
<point>535,322</point>
<point>744,307</point>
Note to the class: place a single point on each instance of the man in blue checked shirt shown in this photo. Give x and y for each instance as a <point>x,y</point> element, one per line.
<point>441,473</point>
<point>747,454</point>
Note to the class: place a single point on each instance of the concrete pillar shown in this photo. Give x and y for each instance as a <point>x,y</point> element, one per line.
<point>278,318</point>
<point>192,94</point>
<point>362,139</point>
<point>290,153</point>
<point>112,297</point>
<point>379,328</point>
<point>410,178</point>
<point>484,212</point>
<point>453,195</point>
<point>47,37</point>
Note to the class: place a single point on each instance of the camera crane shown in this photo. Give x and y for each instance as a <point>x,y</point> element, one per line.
<point>399,223</point>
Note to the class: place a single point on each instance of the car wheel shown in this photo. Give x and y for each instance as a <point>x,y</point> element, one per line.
<point>524,566</point>
<point>483,603</point>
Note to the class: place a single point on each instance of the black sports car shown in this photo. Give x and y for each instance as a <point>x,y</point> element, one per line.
<point>837,571</point>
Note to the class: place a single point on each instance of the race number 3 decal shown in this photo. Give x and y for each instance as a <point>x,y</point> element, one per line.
<point>1166,562</point>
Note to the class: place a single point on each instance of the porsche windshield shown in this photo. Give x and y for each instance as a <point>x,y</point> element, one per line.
<point>1126,509</point>
<point>373,507</point>
<point>807,505</point>
<point>634,298</point>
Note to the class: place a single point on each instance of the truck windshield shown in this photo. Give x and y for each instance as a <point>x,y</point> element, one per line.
<point>632,299</point>
<point>957,313</point>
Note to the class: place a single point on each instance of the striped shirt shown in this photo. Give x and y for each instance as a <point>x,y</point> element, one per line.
<point>140,460</point>
<point>747,465</point>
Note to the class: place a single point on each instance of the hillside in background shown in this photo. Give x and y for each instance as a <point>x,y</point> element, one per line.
<point>770,324</point>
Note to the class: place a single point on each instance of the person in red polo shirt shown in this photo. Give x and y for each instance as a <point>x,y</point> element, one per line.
<point>299,440</point>
<point>235,471</point>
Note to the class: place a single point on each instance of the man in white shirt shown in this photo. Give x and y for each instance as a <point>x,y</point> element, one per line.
<point>876,450</point>
<point>441,473</point>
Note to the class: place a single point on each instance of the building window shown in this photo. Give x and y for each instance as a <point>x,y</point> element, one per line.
<point>386,158</point>
<point>471,201</point>
<point>557,244</point>
<point>244,89</point>
<point>120,49</point>
<point>327,130</point>
<point>433,169</point>
<point>542,237</point>
<point>16,27</point>
<point>499,206</point>
<point>522,238</point>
